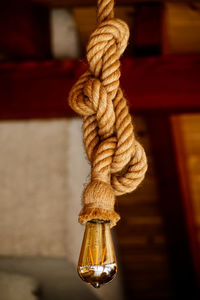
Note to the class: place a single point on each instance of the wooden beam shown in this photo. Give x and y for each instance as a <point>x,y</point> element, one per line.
<point>40,89</point>
<point>24,31</point>
<point>181,262</point>
<point>72,3</point>
<point>188,205</point>
<point>147,29</point>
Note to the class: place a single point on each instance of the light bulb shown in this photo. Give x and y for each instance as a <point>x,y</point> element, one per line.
<point>97,262</point>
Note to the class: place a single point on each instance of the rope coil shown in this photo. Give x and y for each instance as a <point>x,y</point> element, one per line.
<point>118,161</point>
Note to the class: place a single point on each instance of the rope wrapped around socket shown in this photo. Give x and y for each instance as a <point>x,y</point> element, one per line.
<point>117,159</point>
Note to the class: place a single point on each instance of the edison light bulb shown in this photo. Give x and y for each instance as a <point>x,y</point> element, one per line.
<point>97,262</point>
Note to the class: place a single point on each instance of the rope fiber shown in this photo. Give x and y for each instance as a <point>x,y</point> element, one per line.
<point>118,160</point>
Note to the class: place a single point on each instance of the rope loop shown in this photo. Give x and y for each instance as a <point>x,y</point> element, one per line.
<point>106,44</point>
<point>118,160</point>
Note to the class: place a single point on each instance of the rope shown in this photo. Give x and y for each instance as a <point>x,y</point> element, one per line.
<point>118,161</point>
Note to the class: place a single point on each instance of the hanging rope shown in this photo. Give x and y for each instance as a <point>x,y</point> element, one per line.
<point>118,161</point>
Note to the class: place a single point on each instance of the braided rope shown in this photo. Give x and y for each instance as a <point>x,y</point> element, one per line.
<point>118,161</point>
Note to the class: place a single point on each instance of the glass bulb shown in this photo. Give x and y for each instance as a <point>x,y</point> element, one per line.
<point>97,262</point>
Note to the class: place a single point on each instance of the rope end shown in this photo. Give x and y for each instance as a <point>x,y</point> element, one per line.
<point>99,201</point>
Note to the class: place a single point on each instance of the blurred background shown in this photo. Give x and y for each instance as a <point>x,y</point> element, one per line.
<point>43,168</point>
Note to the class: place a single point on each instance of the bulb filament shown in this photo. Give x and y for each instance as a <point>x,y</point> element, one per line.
<point>91,256</point>
<point>103,256</point>
<point>97,252</point>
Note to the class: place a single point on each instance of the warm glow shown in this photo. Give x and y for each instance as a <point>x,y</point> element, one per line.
<point>97,263</point>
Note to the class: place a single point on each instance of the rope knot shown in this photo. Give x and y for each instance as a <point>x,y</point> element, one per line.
<point>88,97</point>
<point>107,43</point>
<point>118,161</point>
<point>102,106</point>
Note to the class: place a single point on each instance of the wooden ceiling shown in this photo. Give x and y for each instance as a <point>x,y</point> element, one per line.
<point>71,3</point>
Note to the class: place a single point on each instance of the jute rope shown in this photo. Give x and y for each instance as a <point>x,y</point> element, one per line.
<point>118,161</point>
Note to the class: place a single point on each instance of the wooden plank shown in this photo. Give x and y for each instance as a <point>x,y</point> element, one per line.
<point>141,237</point>
<point>171,203</point>
<point>40,89</point>
<point>179,18</point>
<point>186,187</point>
